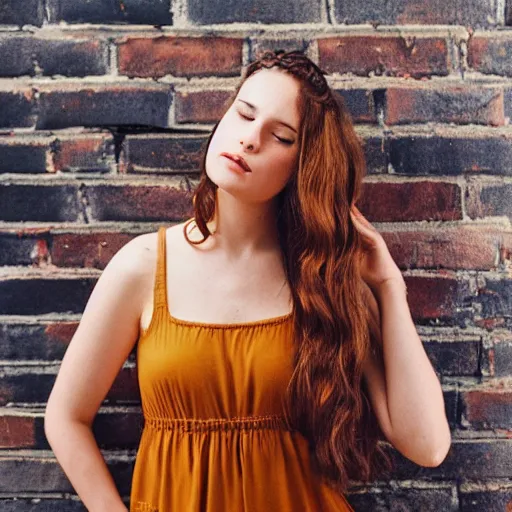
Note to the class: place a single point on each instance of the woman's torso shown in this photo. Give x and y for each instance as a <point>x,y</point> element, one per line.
<point>204,286</point>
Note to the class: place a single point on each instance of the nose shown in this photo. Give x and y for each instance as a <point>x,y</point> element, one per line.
<point>251,137</point>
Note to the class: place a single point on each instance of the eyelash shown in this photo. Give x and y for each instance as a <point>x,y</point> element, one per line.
<point>284,141</point>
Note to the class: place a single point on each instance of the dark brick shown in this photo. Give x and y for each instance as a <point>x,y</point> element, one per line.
<point>384,55</point>
<point>26,342</point>
<point>17,108</point>
<point>432,298</point>
<point>40,296</point>
<point>22,249</point>
<point>360,104</point>
<point>22,155</point>
<point>87,250</point>
<point>495,300</point>
<point>25,386</point>
<point>251,11</point>
<point>492,497</point>
<point>162,152</point>
<point>139,203</point>
<point>488,53</point>
<point>90,153</point>
<point>468,458</point>
<point>180,56</point>
<point>118,429</point>
<point>461,247</point>
<point>421,498</point>
<point>451,406</point>
<point>22,55</point>
<point>122,104</point>
<point>28,12</point>
<point>40,473</point>
<point>44,203</point>
<point>259,46</point>
<point>489,199</point>
<point>501,357</point>
<point>486,408</point>
<point>111,429</point>
<point>41,504</point>
<point>454,357</point>
<point>125,388</point>
<point>404,12</point>
<point>409,201</point>
<point>376,151</point>
<point>482,152</point>
<point>201,107</point>
<point>143,12</point>
<point>461,105</point>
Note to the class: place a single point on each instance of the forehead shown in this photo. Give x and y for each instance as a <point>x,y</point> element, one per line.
<point>272,91</point>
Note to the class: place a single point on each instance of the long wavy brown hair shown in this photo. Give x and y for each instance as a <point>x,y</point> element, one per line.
<point>327,398</point>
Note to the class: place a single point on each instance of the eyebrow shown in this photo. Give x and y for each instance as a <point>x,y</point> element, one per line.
<point>251,106</point>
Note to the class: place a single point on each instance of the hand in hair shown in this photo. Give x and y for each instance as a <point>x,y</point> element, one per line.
<point>377,264</point>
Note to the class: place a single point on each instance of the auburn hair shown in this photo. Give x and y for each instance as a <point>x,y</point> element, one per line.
<point>327,398</point>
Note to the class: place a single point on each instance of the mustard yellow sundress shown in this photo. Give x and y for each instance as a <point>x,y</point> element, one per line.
<point>215,436</point>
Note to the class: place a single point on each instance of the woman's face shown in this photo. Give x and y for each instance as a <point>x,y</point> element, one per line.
<point>262,127</point>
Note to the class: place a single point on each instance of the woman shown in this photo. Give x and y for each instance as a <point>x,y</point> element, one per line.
<point>275,343</point>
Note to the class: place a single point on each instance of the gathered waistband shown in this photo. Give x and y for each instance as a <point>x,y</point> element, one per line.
<point>270,422</point>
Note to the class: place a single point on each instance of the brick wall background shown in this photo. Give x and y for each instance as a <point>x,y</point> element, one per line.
<point>103,109</point>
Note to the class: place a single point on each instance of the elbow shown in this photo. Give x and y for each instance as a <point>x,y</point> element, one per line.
<point>426,452</point>
<point>438,453</point>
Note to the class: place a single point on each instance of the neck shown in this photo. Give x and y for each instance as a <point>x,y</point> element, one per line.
<point>241,229</point>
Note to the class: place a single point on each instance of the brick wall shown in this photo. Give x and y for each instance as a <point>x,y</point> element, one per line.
<point>103,110</point>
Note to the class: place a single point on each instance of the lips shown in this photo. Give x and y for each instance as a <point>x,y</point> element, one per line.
<point>239,160</point>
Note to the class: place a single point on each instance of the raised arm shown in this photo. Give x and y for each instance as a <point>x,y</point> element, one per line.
<point>107,333</point>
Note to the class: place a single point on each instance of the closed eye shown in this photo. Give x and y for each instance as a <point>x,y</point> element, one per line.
<point>284,141</point>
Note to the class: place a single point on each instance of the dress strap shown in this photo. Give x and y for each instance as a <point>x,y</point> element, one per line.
<point>160,297</point>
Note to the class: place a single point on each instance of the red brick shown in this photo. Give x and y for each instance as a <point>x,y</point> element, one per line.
<point>458,248</point>
<point>490,53</point>
<point>487,408</point>
<point>180,56</point>
<point>17,431</point>
<point>410,201</point>
<point>461,105</point>
<point>431,297</point>
<point>384,55</point>
<point>89,153</point>
<point>139,202</point>
<point>86,250</point>
<point>201,107</point>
